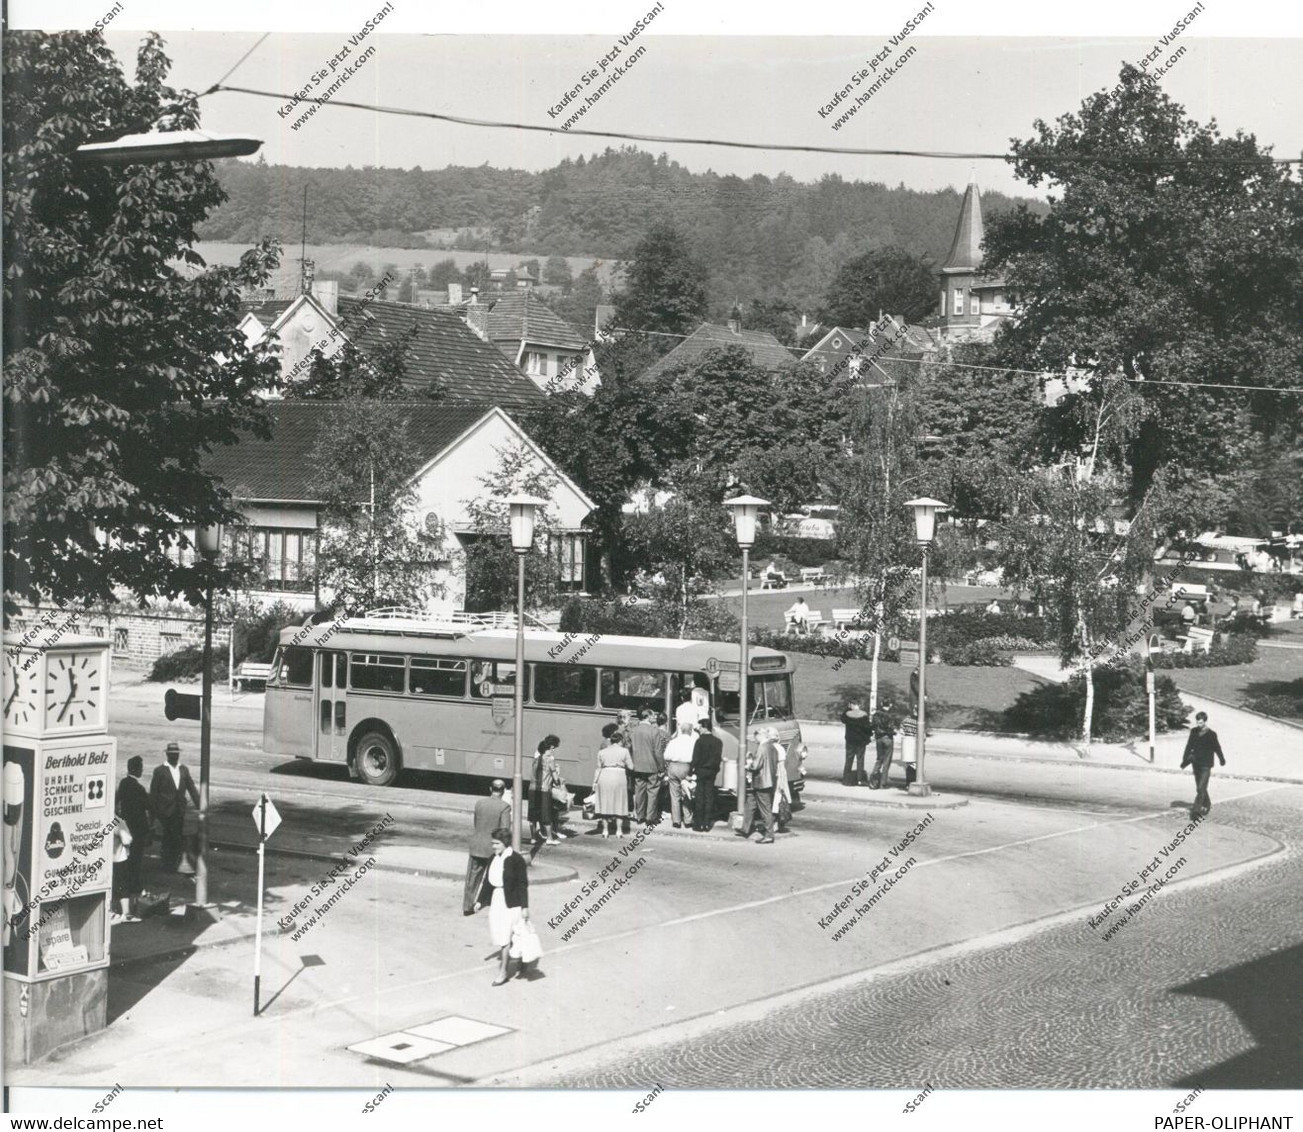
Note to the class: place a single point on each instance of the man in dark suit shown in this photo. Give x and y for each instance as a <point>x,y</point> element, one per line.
<point>491,813</point>
<point>133,808</point>
<point>1200,749</point>
<point>648,743</point>
<point>167,797</point>
<point>707,757</point>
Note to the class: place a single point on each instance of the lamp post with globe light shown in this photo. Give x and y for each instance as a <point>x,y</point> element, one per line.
<point>746,509</point>
<point>925,523</point>
<point>523,511</point>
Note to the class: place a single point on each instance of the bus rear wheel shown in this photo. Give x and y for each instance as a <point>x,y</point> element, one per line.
<point>377,759</point>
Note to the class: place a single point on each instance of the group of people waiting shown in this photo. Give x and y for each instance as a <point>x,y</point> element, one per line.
<point>138,811</point>
<point>861,727</point>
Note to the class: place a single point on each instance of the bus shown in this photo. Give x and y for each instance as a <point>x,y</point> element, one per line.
<point>379,694</point>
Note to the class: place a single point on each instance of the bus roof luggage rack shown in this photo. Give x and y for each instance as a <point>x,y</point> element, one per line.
<point>401,621</point>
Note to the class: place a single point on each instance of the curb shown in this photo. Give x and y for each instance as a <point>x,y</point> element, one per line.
<point>1117,766</point>
<point>1247,711</point>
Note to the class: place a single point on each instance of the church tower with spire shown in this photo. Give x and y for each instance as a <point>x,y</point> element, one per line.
<point>972,304</point>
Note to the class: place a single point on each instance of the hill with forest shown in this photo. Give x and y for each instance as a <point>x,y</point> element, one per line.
<point>761,237</point>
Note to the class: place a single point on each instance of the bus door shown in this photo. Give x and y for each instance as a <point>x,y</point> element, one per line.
<point>332,710</point>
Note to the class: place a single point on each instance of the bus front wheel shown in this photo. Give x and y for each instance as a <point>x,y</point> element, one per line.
<point>376,759</point>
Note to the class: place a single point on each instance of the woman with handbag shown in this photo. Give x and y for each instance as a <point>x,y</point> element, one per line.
<point>541,803</point>
<point>506,892</point>
<point>610,790</point>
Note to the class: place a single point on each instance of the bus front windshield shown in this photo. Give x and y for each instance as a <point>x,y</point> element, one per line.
<point>768,697</point>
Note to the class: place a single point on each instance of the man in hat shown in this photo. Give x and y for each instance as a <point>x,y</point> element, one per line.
<point>493,812</point>
<point>167,797</point>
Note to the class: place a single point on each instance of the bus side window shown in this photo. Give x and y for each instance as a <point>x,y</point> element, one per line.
<point>297,666</point>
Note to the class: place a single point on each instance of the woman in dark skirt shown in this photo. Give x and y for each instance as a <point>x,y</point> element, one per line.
<point>541,804</point>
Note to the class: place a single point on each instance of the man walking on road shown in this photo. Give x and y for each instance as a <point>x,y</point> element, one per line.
<point>648,742</point>
<point>493,812</point>
<point>859,728</point>
<point>167,797</point>
<point>1200,749</point>
<point>884,738</point>
<point>707,755</point>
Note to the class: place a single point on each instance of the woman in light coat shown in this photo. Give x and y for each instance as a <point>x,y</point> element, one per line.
<point>610,784</point>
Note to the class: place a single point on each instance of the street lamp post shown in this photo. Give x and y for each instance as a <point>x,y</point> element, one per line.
<point>746,508</point>
<point>925,521</point>
<point>209,540</point>
<point>523,509</point>
<point>167,145</point>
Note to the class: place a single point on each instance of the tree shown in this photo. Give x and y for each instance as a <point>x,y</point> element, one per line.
<point>362,274</point>
<point>476,275</point>
<point>875,531</point>
<point>121,369</point>
<point>665,286</point>
<point>443,273</point>
<point>556,271</point>
<point>1068,546</point>
<point>372,552</point>
<point>684,547</point>
<point>407,289</point>
<point>490,559</point>
<point>1176,257</point>
<point>886,280</point>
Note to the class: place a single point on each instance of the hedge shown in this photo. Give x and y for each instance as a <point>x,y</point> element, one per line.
<point>985,653</point>
<point>1235,648</point>
<point>955,629</point>
<point>802,551</point>
<point>1121,710</point>
<point>188,664</point>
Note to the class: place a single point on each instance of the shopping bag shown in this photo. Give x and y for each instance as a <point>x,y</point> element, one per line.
<point>561,796</point>
<point>525,944</point>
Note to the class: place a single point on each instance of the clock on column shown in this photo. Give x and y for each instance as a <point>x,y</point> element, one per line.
<point>75,689</point>
<point>21,692</point>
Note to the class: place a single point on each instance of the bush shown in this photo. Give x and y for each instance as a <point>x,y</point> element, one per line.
<point>955,629</point>
<point>648,617</point>
<point>1227,649</point>
<point>1280,699</point>
<point>976,653</point>
<point>188,664</point>
<point>1245,624</point>
<point>801,551</point>
<point>1054,711</point>
<point>257,632</point>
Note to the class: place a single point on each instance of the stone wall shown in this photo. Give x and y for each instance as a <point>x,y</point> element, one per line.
<point>139,637</point>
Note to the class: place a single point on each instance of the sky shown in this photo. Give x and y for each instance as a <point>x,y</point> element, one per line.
<point>957,92</point>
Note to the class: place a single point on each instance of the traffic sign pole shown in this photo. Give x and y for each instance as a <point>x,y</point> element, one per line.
<point>262,857</point>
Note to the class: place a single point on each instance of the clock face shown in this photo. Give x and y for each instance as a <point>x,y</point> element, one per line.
<point>22,696</point>
<point>74,689</point>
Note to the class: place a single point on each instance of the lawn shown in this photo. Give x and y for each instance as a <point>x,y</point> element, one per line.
<point>1277,673</point>
<point>766,607</point>
<point>968,699</point>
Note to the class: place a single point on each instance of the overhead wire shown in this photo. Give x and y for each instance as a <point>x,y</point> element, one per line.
<point>783,147</point>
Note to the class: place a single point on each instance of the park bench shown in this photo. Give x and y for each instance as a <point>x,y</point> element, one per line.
<point>813,576</point>
<point>814,621</point>
<point>848,618</point>
<point>773,582</point>
<point>251,672</point>
<point>1197,640</point>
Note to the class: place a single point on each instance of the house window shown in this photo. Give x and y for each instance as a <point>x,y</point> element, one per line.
<point>957,305</point>
<point>121,640</point>
<point>568,549</point>
<point>169,642</point>
<point>999,299</point>
<point>284,560</point>
<point>974,303</point>
<point>535,363</point>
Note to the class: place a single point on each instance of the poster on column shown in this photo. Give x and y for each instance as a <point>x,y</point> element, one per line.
<point>74,836</point>
<point>19,802</point>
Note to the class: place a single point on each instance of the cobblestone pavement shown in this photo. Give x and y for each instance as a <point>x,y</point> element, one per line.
<point>1204,986</point>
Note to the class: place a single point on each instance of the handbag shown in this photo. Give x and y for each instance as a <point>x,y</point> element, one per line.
<point>561,796</point>
<point>525,944</point>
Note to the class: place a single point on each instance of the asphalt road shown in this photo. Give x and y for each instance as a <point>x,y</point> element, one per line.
<point>712,967</point>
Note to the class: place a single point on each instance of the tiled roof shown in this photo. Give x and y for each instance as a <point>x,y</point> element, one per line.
<point>267,311</point>
<point>284,467</point>
<point>765,350</point>
<point>516,315</point>
<point>445,351</point>
<point>966,250</point>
